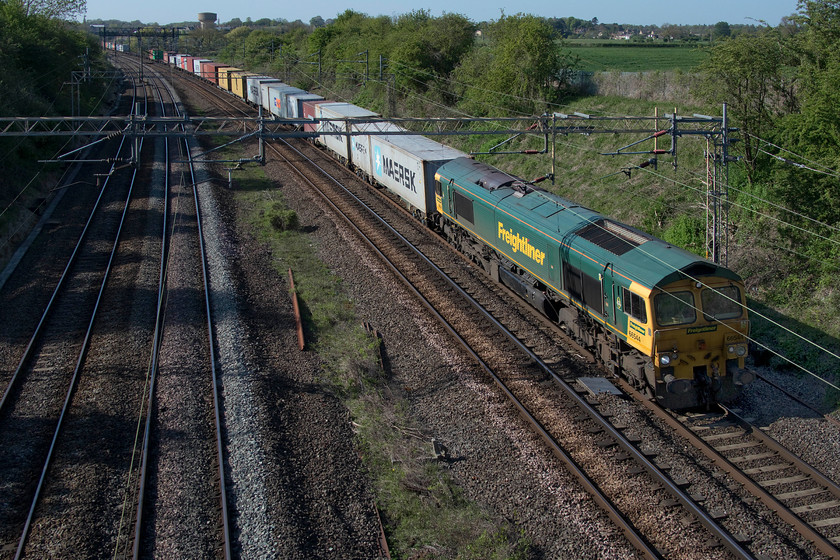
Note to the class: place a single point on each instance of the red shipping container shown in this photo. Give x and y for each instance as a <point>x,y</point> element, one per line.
<point>309,113</point>
<point>209,71</point>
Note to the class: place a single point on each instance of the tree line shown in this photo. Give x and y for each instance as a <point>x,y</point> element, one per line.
<point>517,59</point>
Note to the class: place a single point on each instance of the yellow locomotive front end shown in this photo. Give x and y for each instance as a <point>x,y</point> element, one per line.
<point>700,342</point>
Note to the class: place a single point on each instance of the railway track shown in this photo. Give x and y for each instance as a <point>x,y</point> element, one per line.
<point>797,492</point>
<point>800,495</point>
<point>52,371</point>
<point>695,499</point>
<point>69,411</point>
<point>297,494</point>
<point>181,451</point>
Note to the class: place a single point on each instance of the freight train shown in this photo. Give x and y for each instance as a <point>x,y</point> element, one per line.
<point>672,324</point>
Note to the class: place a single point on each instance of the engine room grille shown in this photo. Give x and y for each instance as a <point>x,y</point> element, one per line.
<point>613,237</point>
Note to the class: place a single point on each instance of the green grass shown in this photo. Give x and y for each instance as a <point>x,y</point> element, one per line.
<point>424,512</point>
<point>628,57</point>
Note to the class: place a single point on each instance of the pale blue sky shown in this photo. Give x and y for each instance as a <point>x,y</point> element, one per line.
<point>655,12</point>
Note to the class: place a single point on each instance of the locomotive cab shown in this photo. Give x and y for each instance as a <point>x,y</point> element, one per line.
<point>700,342</point>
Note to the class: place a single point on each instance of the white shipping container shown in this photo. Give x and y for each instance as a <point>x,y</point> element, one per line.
<point>406,166</point>
<point>277,98</point>
<point>266,97</point>
<point>360,148</point>
<point>286,108</point>
<point>295,103</point>
<point>197,65</point>
<point>333,130</point>
<point>254,90</point>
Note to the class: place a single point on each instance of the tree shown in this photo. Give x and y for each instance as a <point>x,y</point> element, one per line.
<point>317,22</point>
<point>818,20</point>
<point>260,46</point>
<point>428,48</point>
<point>814,130</point>
<point>746,72</point>
<point>59,9</point>
<point>722,30</point>
<point>37,54</point>
<point>238,34</point>
<point>206,41</point>
<point>518,69</point>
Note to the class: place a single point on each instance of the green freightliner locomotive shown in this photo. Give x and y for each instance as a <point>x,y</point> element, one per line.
<point>671,323</point>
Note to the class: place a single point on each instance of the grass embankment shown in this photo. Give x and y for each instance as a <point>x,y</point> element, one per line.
<point>422,508</point>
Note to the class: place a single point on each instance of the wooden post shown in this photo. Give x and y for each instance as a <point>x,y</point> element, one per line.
<point>296,308</point>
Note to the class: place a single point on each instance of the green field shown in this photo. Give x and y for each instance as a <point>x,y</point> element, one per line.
<point>600,56</point>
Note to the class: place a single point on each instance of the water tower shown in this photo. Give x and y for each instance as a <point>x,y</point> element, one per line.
<point>207,20</point>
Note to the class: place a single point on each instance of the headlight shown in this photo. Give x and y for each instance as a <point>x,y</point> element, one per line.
<point>741,351</point>
<point>731,349</point>
<point>664,359</point>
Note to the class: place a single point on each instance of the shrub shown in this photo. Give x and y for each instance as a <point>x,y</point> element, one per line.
<point>284,220</point>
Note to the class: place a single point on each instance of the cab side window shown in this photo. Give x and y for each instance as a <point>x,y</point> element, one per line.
<point>634,305</point>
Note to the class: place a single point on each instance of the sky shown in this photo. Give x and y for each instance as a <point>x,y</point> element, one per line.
<point>651,12</point>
